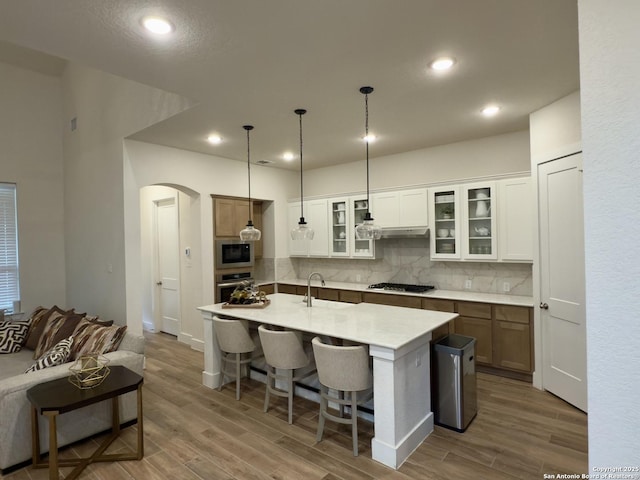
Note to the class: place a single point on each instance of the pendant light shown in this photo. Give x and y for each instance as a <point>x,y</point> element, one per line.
<point>249,233</point>
<point>367,230</point>
<point>302,231</point>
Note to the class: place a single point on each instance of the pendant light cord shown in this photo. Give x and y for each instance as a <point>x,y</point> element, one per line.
<point>300,113</point>
<point>248,128</point>
<point>366,136</point>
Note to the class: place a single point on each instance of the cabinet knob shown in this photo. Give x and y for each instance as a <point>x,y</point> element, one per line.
<point>158,283</point>
<point>544,306</point>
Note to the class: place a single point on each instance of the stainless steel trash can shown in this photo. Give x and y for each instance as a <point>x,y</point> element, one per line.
<point>454,381</point>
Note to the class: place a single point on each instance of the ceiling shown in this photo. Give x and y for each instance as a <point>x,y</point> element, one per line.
<point>255,61</point>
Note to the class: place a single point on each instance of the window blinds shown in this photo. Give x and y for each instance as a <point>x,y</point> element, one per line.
<point>9,281</point>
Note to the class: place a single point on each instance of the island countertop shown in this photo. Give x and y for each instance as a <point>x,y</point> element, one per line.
<point>382,325</point>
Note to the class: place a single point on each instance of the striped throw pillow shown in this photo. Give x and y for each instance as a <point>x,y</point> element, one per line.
<point>58,355</point>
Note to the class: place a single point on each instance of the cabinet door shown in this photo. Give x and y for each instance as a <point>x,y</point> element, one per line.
<point>317,217</point>
<point>515,220</point>
<point>385,208</point>
<point>480,329</point>
<point>444,210</point>
<point>359,248</point>
<point>479,226</point>
<point>512,346</point>
<point>297,248</point>
<point>240,215</point>
<point>413,207</point>
<point>340,221</point>
<point>224,209</point>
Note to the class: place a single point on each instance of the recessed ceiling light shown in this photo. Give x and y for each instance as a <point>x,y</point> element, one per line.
<point>444,63</point>
<point>157,25</point>
<point>215,139</point>
<point>490,110</point>
<point>288,156</point>
<point>369,138</point>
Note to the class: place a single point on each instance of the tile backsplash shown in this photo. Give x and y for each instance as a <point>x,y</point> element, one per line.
<point>405,260</point>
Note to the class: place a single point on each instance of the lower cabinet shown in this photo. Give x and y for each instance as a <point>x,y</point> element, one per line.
<point>513,335</point>
<point>503,333</point>
<point>475,321</point>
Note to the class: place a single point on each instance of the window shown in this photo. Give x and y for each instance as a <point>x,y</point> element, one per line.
<point>9,279</point>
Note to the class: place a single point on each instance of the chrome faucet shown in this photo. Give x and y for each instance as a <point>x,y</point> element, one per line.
<point>309,286</point>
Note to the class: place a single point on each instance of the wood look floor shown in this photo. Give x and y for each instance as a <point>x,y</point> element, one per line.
<point>192,432</point>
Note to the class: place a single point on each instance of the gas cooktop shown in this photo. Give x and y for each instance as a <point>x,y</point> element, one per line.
<point>402,287</point>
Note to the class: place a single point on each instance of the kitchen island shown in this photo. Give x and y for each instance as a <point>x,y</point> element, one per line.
<point>399,343</point>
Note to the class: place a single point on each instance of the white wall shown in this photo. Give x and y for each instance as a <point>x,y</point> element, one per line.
<point>203,175</point>
<point>609,77</point>
<point>107,109</point>
<point>497,155</point>
<point>31,157</point>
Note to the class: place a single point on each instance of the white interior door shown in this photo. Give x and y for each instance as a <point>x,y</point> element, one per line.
<point>562,288</point>
<point>168,266</point>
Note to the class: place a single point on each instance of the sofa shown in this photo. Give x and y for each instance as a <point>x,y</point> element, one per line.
<point>15,409</point>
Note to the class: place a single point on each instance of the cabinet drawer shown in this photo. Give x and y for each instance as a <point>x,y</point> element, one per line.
<point>350,296</point>
<point>512,314</point>
<point>390,299</point>
<point>286,288</point>
<point>477,310</point>
<point>268,289</point>
<point>329,294</point>
<point>438,305</point>
<point>302,290</point>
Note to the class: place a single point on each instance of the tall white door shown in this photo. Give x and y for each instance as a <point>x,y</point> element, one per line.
<point>167,267</point>
<point>562,289</point>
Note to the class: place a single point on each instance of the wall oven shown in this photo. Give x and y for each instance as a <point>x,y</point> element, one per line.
<point>226,283</point>
<point>232,253</point>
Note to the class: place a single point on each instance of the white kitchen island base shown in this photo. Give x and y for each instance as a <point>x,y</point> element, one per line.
<point>399,342</point>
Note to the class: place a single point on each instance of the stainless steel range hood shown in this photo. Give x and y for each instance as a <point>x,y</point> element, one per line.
<point>395,232</point>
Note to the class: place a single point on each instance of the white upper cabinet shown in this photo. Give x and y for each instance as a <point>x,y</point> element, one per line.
<point>401,208</point>
<point>340,227</point>
<point>445,214</point>
<point>359,248</point>
<point>515,220</point>
<point>317,218</point>
<point>479,227</point>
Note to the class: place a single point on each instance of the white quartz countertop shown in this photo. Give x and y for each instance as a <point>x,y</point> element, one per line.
<point>381,325</point>
<point>466,296</point>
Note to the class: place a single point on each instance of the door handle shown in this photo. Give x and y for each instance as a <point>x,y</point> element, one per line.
<point>544,306</point>
<point>159,283</point>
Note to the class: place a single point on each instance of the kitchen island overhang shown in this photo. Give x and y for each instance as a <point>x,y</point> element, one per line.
<point>399,343</point>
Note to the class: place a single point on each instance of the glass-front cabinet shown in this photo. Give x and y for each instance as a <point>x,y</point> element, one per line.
<point>358,209</point>
<point>479,209</point>
<point>340,232</point>
<point>444,209</point>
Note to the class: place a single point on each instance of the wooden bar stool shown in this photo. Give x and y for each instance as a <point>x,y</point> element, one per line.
<point>346,370</point>
<point>283,350</point>
<point>234,342</point>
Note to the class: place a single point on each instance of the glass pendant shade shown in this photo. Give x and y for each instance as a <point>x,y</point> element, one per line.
<point>367,230</point>
<point>302,231</point>
<point>249,233</point>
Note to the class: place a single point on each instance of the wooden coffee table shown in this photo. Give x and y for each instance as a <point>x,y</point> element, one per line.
<point>60,396</point>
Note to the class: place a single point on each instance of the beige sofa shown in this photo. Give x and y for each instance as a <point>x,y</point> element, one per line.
<point>15,418</point>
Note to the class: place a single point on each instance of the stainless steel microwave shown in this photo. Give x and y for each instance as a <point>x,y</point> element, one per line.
<point>232,253</point>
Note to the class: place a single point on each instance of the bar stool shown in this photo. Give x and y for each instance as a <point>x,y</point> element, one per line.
<point>345,369</point>
<point>234,342</point>
<point>283,349</point>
